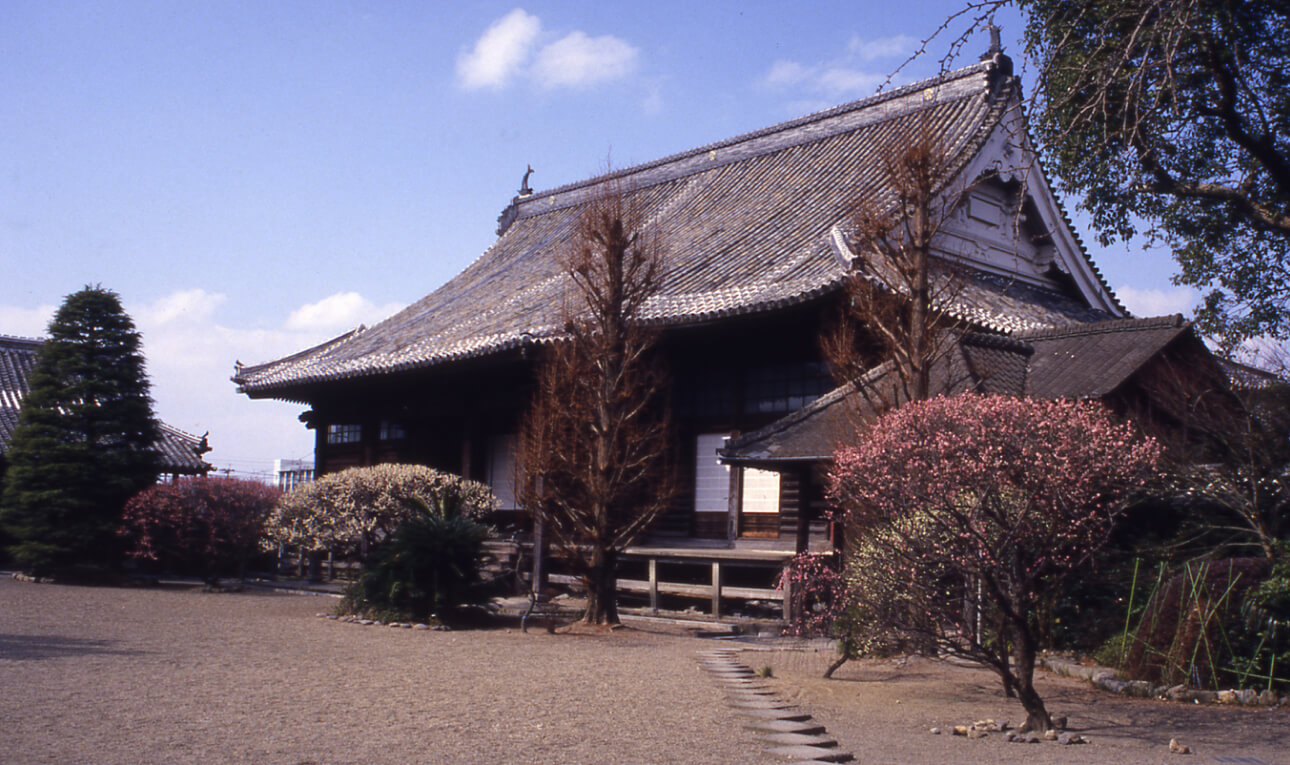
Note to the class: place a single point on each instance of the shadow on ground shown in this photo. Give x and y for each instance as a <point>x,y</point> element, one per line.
<point>38,647</point>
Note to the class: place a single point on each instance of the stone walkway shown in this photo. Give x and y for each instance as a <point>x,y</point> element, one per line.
<point>785,729</point>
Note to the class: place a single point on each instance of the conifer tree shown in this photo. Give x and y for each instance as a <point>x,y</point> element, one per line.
<point>84,442</point>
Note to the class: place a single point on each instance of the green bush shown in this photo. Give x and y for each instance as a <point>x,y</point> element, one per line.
<point>1112,652</point>
<point>1263,650</point>
<point>428,567</point>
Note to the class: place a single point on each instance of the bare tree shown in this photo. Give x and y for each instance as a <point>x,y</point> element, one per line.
<point>594,452</point>
<point>898,299</point>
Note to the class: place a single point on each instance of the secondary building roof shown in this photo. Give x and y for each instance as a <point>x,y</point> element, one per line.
<point>748,224</point>
<point>180,452</point>
<point>1077,361</point>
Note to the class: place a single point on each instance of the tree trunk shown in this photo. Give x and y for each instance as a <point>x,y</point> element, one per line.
<point>1037,718</point>
<point>602,588</point>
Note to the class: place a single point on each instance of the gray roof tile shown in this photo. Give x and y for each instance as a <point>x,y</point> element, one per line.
<point>180,451</point>
<point>745,225</point>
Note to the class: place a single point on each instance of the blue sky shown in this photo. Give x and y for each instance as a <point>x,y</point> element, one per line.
<point>253,178</point>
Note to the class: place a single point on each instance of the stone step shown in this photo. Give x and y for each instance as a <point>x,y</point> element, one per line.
<point>775,714</point>
<point>766,703</point>
<point>811,754</point>
<point>785,726</point>
<point>799,739</point>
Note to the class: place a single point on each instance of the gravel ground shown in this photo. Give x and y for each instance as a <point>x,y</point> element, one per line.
<point>107,675</point>
<point>883,711</point>
<point>171,675</point>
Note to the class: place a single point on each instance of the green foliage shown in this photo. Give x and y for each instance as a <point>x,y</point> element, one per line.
<point>351,511</point>
<point>429,566</point>
<point>1111,653</point>
<point>84,441</point>
<point>1175,114</point>
<point>1265,638</point>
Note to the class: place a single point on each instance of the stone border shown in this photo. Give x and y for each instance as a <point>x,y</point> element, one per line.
<point>1106,679</point>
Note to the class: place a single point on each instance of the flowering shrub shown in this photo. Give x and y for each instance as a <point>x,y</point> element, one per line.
<point>968,510</point>
<point>206,525</point>
<point>350,511</point>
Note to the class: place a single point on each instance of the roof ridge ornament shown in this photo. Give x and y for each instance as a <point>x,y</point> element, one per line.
<point>996,47</point>
<point>525,190</point>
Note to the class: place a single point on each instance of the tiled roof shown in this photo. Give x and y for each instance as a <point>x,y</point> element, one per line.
<point>1091,360</point>
<point>180,452</point>
<point>745,227</point>
<point>1074,361</point>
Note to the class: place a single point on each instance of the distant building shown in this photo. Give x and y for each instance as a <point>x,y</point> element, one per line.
<point>288,474</point>
<point>181,453</point>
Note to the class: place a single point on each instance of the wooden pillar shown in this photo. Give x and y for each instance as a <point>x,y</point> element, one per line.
<point>733,503</point>
<point>653,586</point>
<point>716,589</point>
<point>805,491</point>
<point>467,447</point>
<point>788,594</point>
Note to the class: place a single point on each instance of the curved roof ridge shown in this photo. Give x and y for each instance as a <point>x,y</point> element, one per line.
<point>782,127</point>
<point>35,342</point>
<point>245,369</point>
<point>1172,321</point>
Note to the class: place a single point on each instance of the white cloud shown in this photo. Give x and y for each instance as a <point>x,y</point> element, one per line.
<point>25,322</point>
<point>843,81</point>
<point>184,305</point>
<point>1154,302</point>
<point>846,75</point>
<point>785,74</point>
<point>577,60</point>
<point>500,52</point>
<point>506,51</point>
<point>338,312</point>
<point>883,47</point>
<point>190,351</point>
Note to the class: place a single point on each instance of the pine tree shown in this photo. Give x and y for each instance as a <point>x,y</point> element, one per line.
<point>84,441</point>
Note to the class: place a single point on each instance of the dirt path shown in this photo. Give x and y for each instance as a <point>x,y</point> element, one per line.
<point>882,712</point>
<point>153,676</point>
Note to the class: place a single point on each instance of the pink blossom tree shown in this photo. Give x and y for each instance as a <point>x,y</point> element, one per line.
<point>210,526</point>
<point>963,513</point>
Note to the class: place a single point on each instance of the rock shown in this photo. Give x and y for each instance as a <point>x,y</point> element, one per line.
<point>365,622</point>
<point>1268,698</point>
<point>975,732</point>
<point>1059,723</point>
<point>1107,682</point>
<point>1139,689</point>
<point>1050,734</point>
<point>1009,736</point>
<point>960,730</point>
<point>395,625</point>
<point>1179,692</point>
<point>1071,738</point>
<point>1249,697</point>
<point>333,617</point>
<point>935,731</point>
<point>1023,738</point>
<point>1227,697</point>
<point>1177,748</point>
<point>421,626</point>
<point>1204,697</point>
